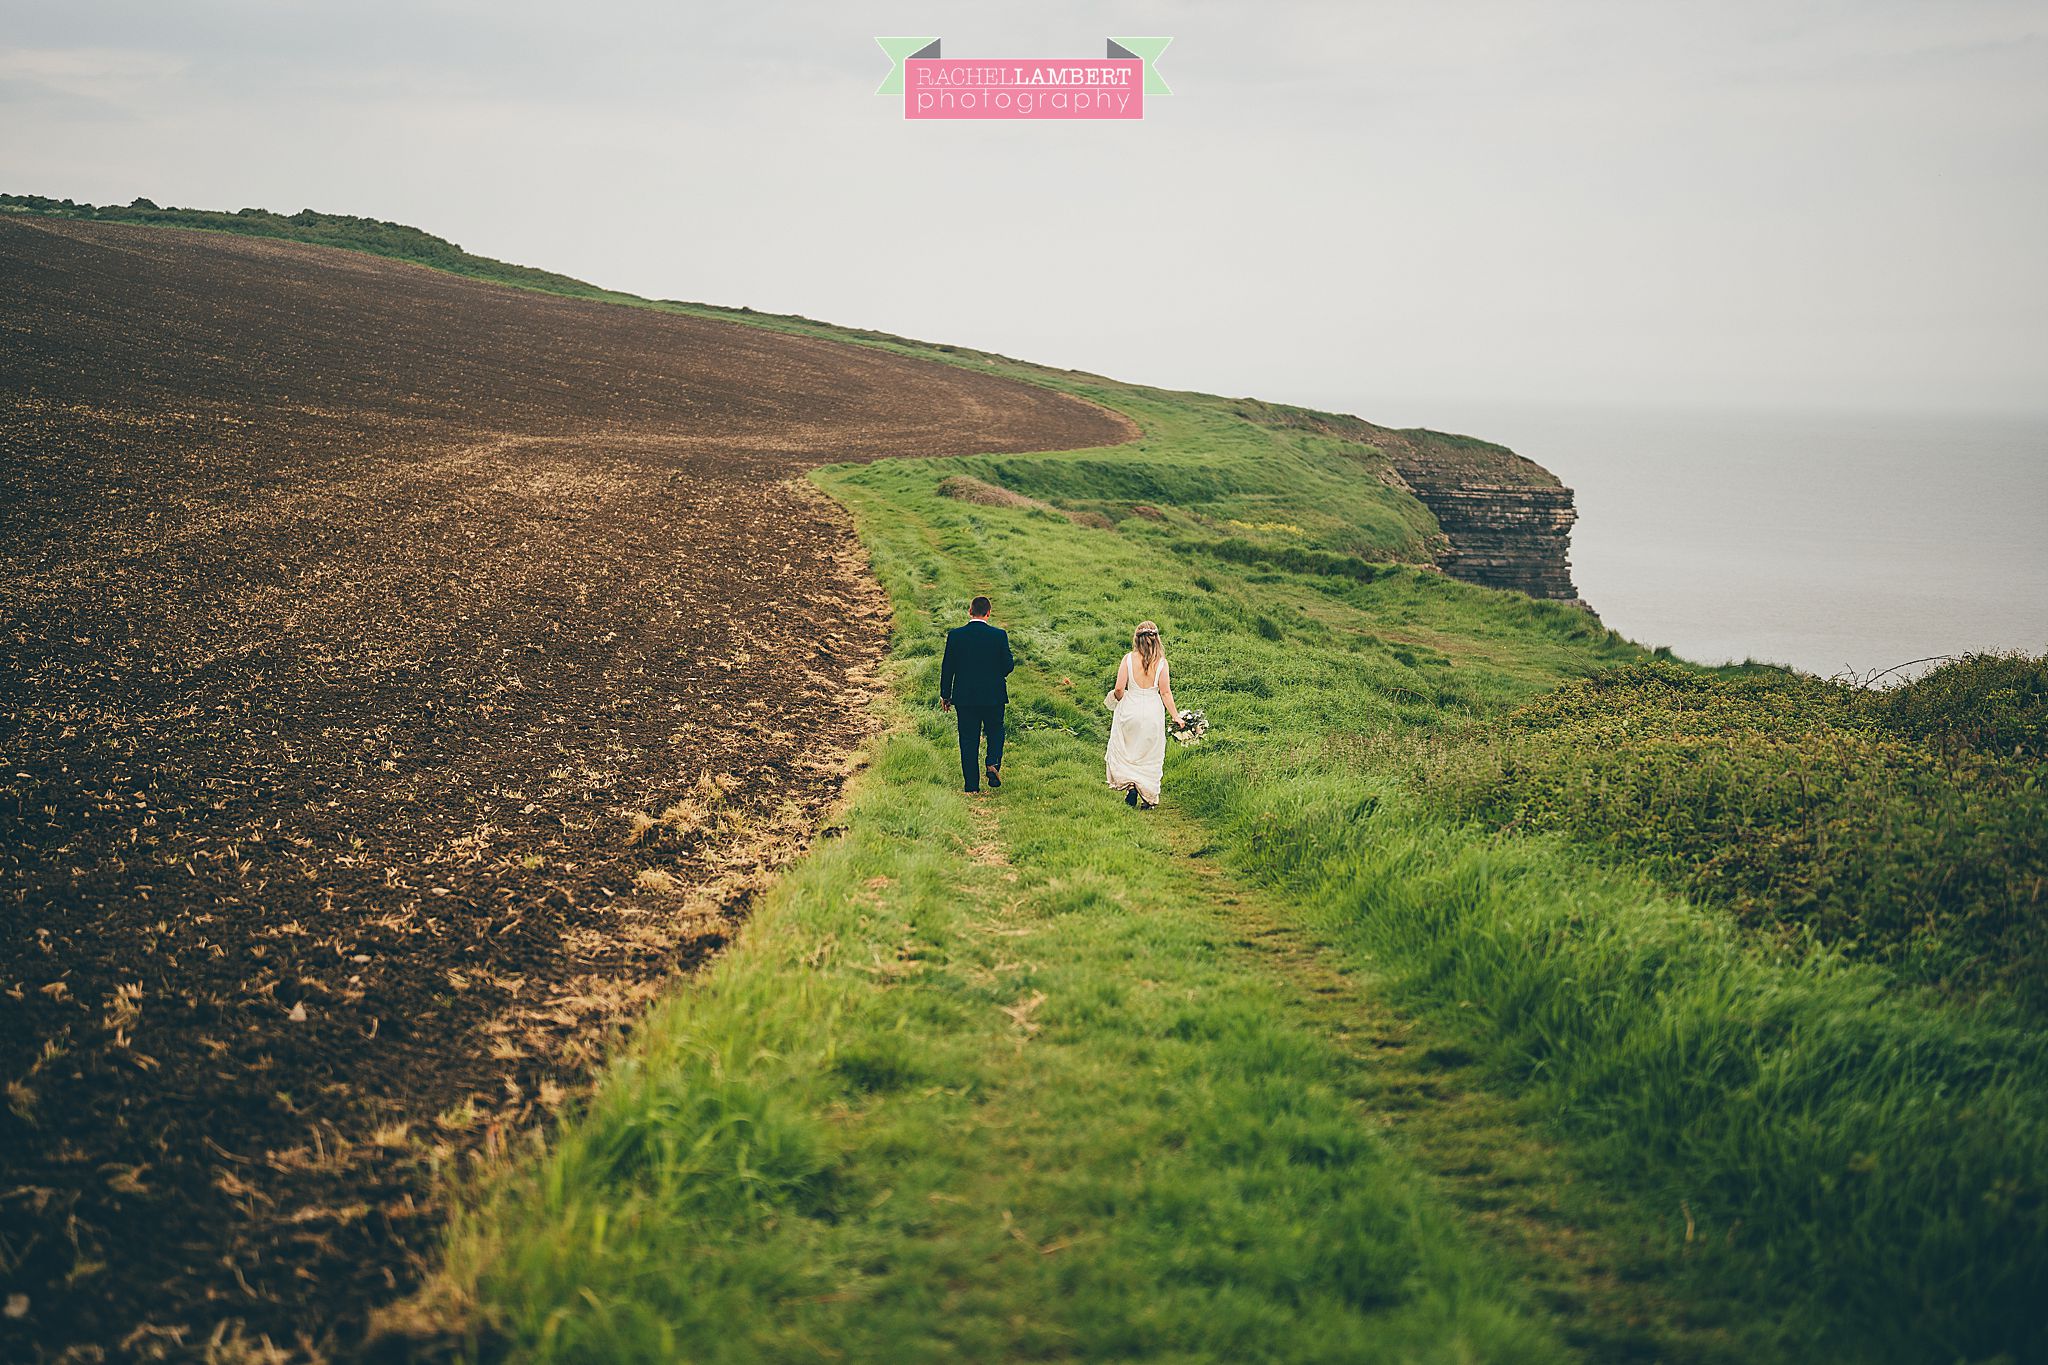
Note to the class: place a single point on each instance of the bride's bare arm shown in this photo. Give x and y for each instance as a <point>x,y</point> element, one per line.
<point>1121,666</point>
<point>1166,694</point>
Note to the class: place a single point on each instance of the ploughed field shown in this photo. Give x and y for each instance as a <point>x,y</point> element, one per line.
<point>401,676</point>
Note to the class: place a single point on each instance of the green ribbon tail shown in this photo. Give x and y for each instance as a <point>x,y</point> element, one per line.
<point>1146,50</point>
<point>898,49</point>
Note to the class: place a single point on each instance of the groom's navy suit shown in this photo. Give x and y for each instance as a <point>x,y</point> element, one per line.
<point>971,675</point>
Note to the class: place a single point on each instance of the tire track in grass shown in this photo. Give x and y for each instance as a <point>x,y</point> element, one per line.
<point>1192,1148</point>
<point>1616,1284</point>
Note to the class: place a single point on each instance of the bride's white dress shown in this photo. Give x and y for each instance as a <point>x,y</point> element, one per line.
<point>1137,736</point>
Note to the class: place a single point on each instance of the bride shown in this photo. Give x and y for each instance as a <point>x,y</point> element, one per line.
<point>1142,701</point>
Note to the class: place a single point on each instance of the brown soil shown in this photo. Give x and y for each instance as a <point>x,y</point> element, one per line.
<point>403,677</point>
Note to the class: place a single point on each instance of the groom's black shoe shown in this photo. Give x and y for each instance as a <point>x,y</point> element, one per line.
<point>995,779</point>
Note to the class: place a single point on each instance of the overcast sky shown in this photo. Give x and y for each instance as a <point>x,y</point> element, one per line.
<point>1371,206</point>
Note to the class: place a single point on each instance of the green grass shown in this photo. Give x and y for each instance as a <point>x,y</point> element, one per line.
<point>1855,1164</point>
<point>1266,487</point>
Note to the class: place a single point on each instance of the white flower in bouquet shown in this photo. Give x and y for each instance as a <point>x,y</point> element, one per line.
<point>1190,725</point>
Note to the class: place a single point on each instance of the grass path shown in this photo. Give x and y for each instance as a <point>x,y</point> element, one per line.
<point>1034,1077</point>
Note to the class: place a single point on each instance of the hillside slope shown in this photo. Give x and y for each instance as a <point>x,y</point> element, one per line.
<point>1501,520</point>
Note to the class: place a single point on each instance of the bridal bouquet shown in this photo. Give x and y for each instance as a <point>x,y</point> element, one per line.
<point>1190,726</point>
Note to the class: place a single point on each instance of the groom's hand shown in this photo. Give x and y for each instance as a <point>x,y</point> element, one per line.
<point>945,705</point>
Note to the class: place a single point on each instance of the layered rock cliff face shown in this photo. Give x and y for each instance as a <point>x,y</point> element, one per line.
<point>1502,536</point>
<point>1507,521</point>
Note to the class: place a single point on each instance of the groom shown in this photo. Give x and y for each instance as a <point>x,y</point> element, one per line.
<point>971,686</point>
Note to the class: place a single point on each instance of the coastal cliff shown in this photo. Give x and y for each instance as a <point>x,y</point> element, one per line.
<point>1500,535</point>
<point>1506,520</point>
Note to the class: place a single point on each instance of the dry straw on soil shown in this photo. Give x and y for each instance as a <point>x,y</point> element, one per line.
<point>966,488</point>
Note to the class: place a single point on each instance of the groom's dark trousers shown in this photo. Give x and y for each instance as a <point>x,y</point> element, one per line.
<point>974,722</point>
<point>972,677</point>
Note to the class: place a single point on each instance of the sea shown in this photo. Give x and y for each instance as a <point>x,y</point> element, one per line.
<point>1840,544</point>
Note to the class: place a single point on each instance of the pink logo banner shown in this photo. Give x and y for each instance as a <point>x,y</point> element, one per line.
<point>1023,88</point>
<point>935,86</point>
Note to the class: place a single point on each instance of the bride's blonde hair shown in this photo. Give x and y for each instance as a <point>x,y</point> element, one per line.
<point>1145,644</point>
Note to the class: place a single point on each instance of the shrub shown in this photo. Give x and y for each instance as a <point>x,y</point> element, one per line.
<point>1993,704</point>
<point>1909,827</point>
